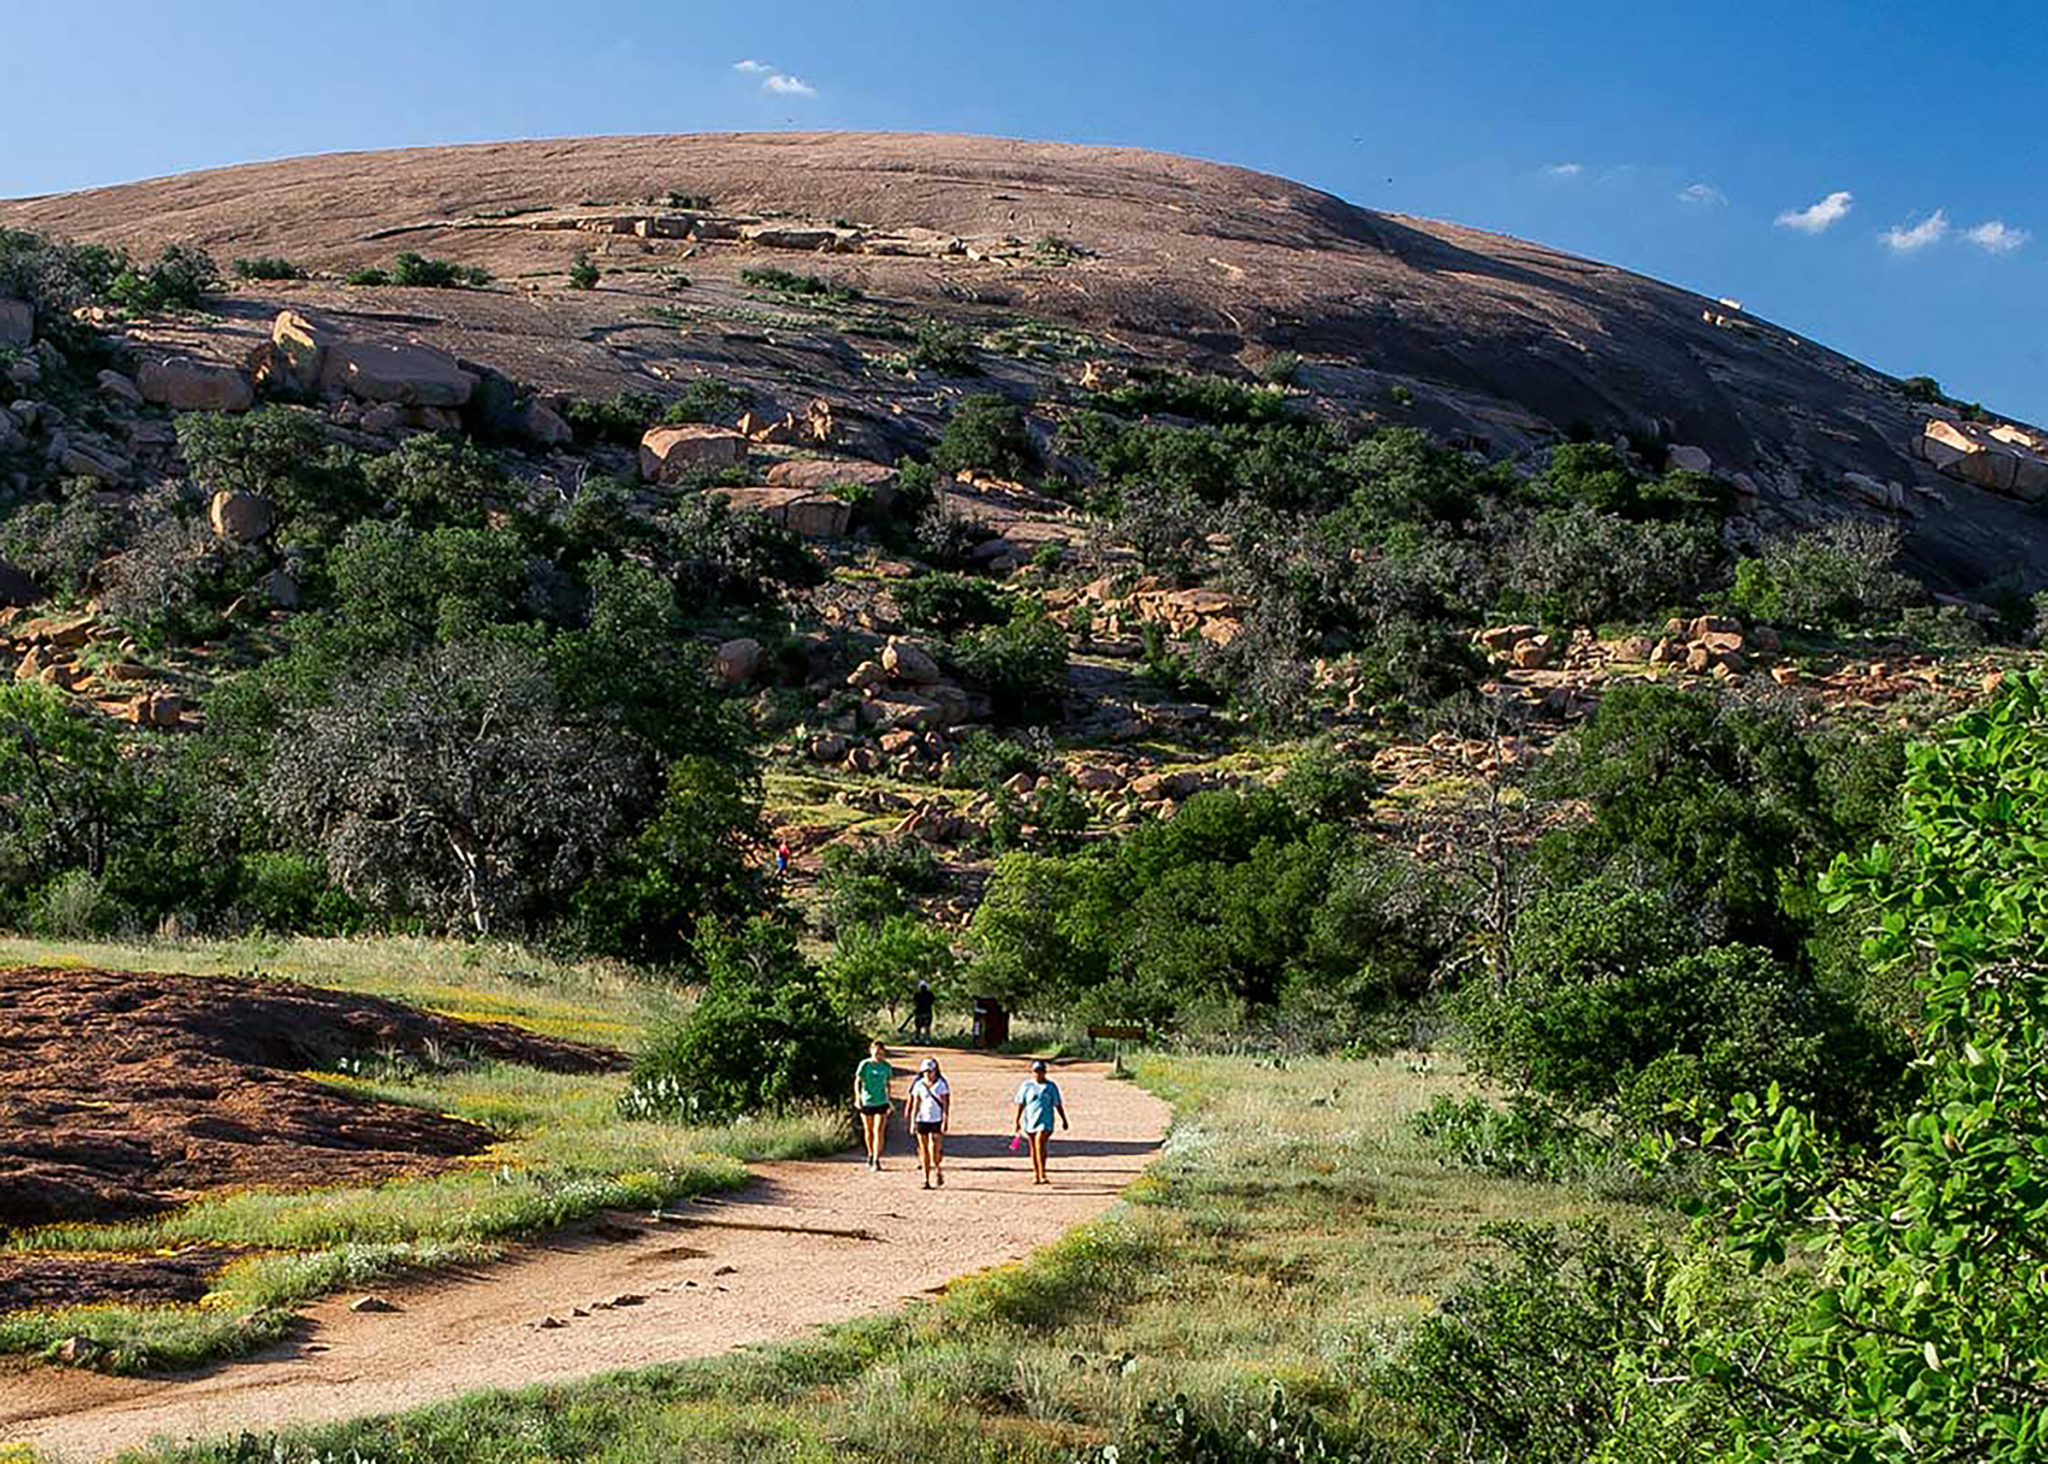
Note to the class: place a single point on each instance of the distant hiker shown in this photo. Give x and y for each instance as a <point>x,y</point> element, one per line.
<point>929,1108</point>
<point>871,1098</point>
<point>1038,1099</point>
<point>782,860</point>
<point>921,1002</point>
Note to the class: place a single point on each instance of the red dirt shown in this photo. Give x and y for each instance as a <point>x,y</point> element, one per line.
<point>122,1094</point>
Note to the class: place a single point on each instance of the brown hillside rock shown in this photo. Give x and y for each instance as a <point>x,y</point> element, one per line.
<point>667,452</point>
<point>186,385</point>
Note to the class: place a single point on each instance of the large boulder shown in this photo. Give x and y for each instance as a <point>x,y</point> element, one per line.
<point>298,350</point>
<point>16,588</point>
<point>17,323</point>
<point>908,661</point>
<point>820,474</point>
<point>2002,458</point>
<point>240,518</point>
<point>738,661</point>
<point>186,385</point>
<point>404,375</point>
<point>666,453</point>
<point>814,515</point>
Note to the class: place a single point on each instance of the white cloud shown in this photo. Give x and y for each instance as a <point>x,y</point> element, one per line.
<point>752,68</point>
<point>1702,194</point>
<point>1996,237</point>
<point>788,86</point>
<point>1819,217</point>
<point>1905,239</point>
<point>1564,170</point>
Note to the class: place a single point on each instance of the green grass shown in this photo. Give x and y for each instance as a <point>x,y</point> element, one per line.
<point>1291,1231</point>
<point>563,1153</point>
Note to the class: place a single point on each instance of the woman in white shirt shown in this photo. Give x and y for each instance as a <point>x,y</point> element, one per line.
<point>928,1109</point>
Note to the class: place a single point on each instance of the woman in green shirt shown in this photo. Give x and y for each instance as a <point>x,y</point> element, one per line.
<point>871,1097</point>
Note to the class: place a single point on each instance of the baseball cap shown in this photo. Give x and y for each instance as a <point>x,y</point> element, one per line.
<point>930,1065</point>
<point>1038,1065</point>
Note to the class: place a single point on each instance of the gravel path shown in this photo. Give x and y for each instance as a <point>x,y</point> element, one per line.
<point>809,1242</point>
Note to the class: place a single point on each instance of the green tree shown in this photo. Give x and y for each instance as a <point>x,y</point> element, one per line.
<point>1926,1270</point>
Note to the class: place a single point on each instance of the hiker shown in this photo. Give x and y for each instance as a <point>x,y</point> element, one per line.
<point>921,1002</point>
<point>1038,1099</point>
<point>929,1108</point>
<point>782,860</point>
<point>871,1098</point>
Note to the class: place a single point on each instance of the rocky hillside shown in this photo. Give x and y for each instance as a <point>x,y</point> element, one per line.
<point>1054,255</point>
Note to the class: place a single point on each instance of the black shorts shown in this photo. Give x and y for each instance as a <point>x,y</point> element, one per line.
<point>876,1107</point>
<point>929,1128</point>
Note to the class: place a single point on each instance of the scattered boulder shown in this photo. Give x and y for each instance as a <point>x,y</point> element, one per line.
<point>408,375</point>
<point>371,1304</point>
<point>119,389</point>
<point>17,322</point>
<point>1533,651</point>
<point>1689,460</point>
<point>827,747</point>
<point>240,518</point>
<point>907,661</point>
<point>541,423</point>
<point>738,661</point>
<point>666,453</point>
<point>187,385</point>
<point>822,474</point>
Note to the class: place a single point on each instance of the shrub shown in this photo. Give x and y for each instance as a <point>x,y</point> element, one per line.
<point>1280,368</point>
<point>951,603</point>
<point>1559,1355</point>
<point>721,558</point>
<point>1021,665</point>
<point>54,276</point>
<point>61,545</point>
<point>369,276</point>
<point>1585,566</point>
<point>765,1036</point>
<point>267,267</point>
<point>181,279</point>
<point>705,399</point>
<point>583,274</point>
<point>871,882</point>
<point>1838,577</point>
<point>1181,1433</point>
<point>948,349</point>
<point>420,272</point>
<point>621,419</point>
<point>1521,1141</point>
<point>799,286</point>
<point>987,434</point>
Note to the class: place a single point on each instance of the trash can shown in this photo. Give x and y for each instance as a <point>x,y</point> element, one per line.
<point>991,1023</point>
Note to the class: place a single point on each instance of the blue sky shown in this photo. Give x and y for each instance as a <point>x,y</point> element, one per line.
<point>1584,124</point>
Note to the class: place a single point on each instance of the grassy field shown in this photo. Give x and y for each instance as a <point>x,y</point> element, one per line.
<point>1290,1232</point>
<point>563,1152</point>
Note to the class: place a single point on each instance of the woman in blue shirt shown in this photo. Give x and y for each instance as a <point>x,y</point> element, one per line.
<point>1038,1100</point>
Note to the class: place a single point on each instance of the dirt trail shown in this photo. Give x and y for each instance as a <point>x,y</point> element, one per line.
<point>809,1242</point>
